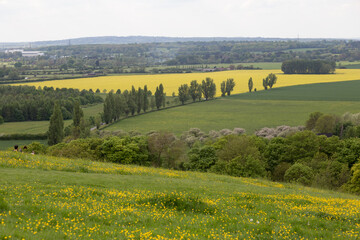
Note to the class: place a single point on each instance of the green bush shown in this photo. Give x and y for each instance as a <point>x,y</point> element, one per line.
<point>81,148</point>
<point>333,176</point>
<point>299,173</point>
<point>1,120</point>
<point>241,166</point>
<point>353,185</point>
<point>127,150</point>
<point>36,147</point>
<point>201,158</point>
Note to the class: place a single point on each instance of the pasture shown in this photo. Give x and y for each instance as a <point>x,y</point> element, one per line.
<point>172,82</point>
<point>34,127</point>
<point>44,197</point>
<point>279,106</point>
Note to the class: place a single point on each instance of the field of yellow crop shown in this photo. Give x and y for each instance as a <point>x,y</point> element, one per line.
<point>172,82</point>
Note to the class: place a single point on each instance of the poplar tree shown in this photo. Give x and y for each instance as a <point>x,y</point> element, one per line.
<point>56,128</point>
<point>195,90</point>
<point>146,99</point>
<point>183,93</point>
<point>78,116</point>
<point>250,84</point>
<point>208,88</point>
<point>230,84</point>
<point>223,88</point>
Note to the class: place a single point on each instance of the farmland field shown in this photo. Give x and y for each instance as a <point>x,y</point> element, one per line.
<point>278,106</point>
<point>172,82</point>
<point>9,144</point>
<point>34,127</point>
<point>80,199</point>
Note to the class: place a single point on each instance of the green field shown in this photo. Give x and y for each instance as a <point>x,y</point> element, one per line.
<point>275,107</point>
<point>34,127</point>
<point>79,199</point>
<point>9,144</point>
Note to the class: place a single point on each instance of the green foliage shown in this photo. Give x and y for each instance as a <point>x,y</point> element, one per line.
<point>208,88</point>
<point>311,122</point>
<point>230,84</point>
<point>201,158</point>
<point>299,173</point>
<point>56,128</point>
<point>325,124</point>
<point>250,84</point>
<point>245,166</point>
<point>125,150</point>
<point>301,66</point>
<point>223,88</point>
<point>36,148</point>
<point>271,79</point>
<point>184,93</point>
<point>1,120</point>
<point>195,90</point>
<point>354,184</point>
<point>80,148</point>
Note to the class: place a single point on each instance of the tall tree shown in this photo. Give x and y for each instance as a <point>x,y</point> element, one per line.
<point>139,100</point>
<point>271,79</point>
<point>183,93</point>
<point>77,117</point>
<point>56,128</point>
<point>250,84</point>
<point>108,108</point>
<point>208,88</point>
<point>146,99</point>
<point>265,83</point>
<point>195,90</point>
<point>230,84</point>
<point>223,88</point>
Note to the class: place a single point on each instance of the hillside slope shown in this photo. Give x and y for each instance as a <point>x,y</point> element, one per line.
<point>53,198</point>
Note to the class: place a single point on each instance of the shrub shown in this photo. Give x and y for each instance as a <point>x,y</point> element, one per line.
<point>81,148</point>
<point>127,150</point>
<point>36,147</point>
<point>201,158</point>
<point>1,120</point>
<point>353,185</point>
<point>299,173</point>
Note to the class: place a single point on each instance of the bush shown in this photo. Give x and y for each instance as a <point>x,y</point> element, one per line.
<point>1,120</point>
<point>201,158</point>
<point>353,185</point>
<point>36,147</point>
<point>81,148</point>
<point>127,150</point>
<point>299,173</point>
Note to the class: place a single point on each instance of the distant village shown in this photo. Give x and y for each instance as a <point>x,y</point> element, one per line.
<point>25,53</point>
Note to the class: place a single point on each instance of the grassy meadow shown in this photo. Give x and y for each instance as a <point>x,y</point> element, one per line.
<point>55,198</point>
<point>278,106</point>
<point>172,82</point>
<point>34,127</point>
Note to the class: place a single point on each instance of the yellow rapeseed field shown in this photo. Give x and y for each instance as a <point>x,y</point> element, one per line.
<point>172,82</point>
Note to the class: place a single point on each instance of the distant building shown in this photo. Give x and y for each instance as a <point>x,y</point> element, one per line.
<point>26,53</point>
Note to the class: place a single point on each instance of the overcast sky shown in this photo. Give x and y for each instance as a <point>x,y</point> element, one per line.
<point>33,20</point>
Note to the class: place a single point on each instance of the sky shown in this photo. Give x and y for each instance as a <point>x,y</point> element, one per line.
<point>39,20</point>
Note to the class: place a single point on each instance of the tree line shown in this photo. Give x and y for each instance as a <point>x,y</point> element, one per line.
<point>300,156</point>
<point>302,66</point>
<point>27,103</point>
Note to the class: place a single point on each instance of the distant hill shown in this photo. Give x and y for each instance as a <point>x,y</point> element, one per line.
<point>137,39</point>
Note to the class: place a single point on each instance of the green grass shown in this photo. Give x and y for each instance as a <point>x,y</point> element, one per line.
<point>336,91</point>
<point>79,199</point>
<point>252,111</point>
<point>34,127</point>
<point>9,144</point>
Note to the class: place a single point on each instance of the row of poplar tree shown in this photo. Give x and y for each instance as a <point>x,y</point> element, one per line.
<point>137,100</point>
